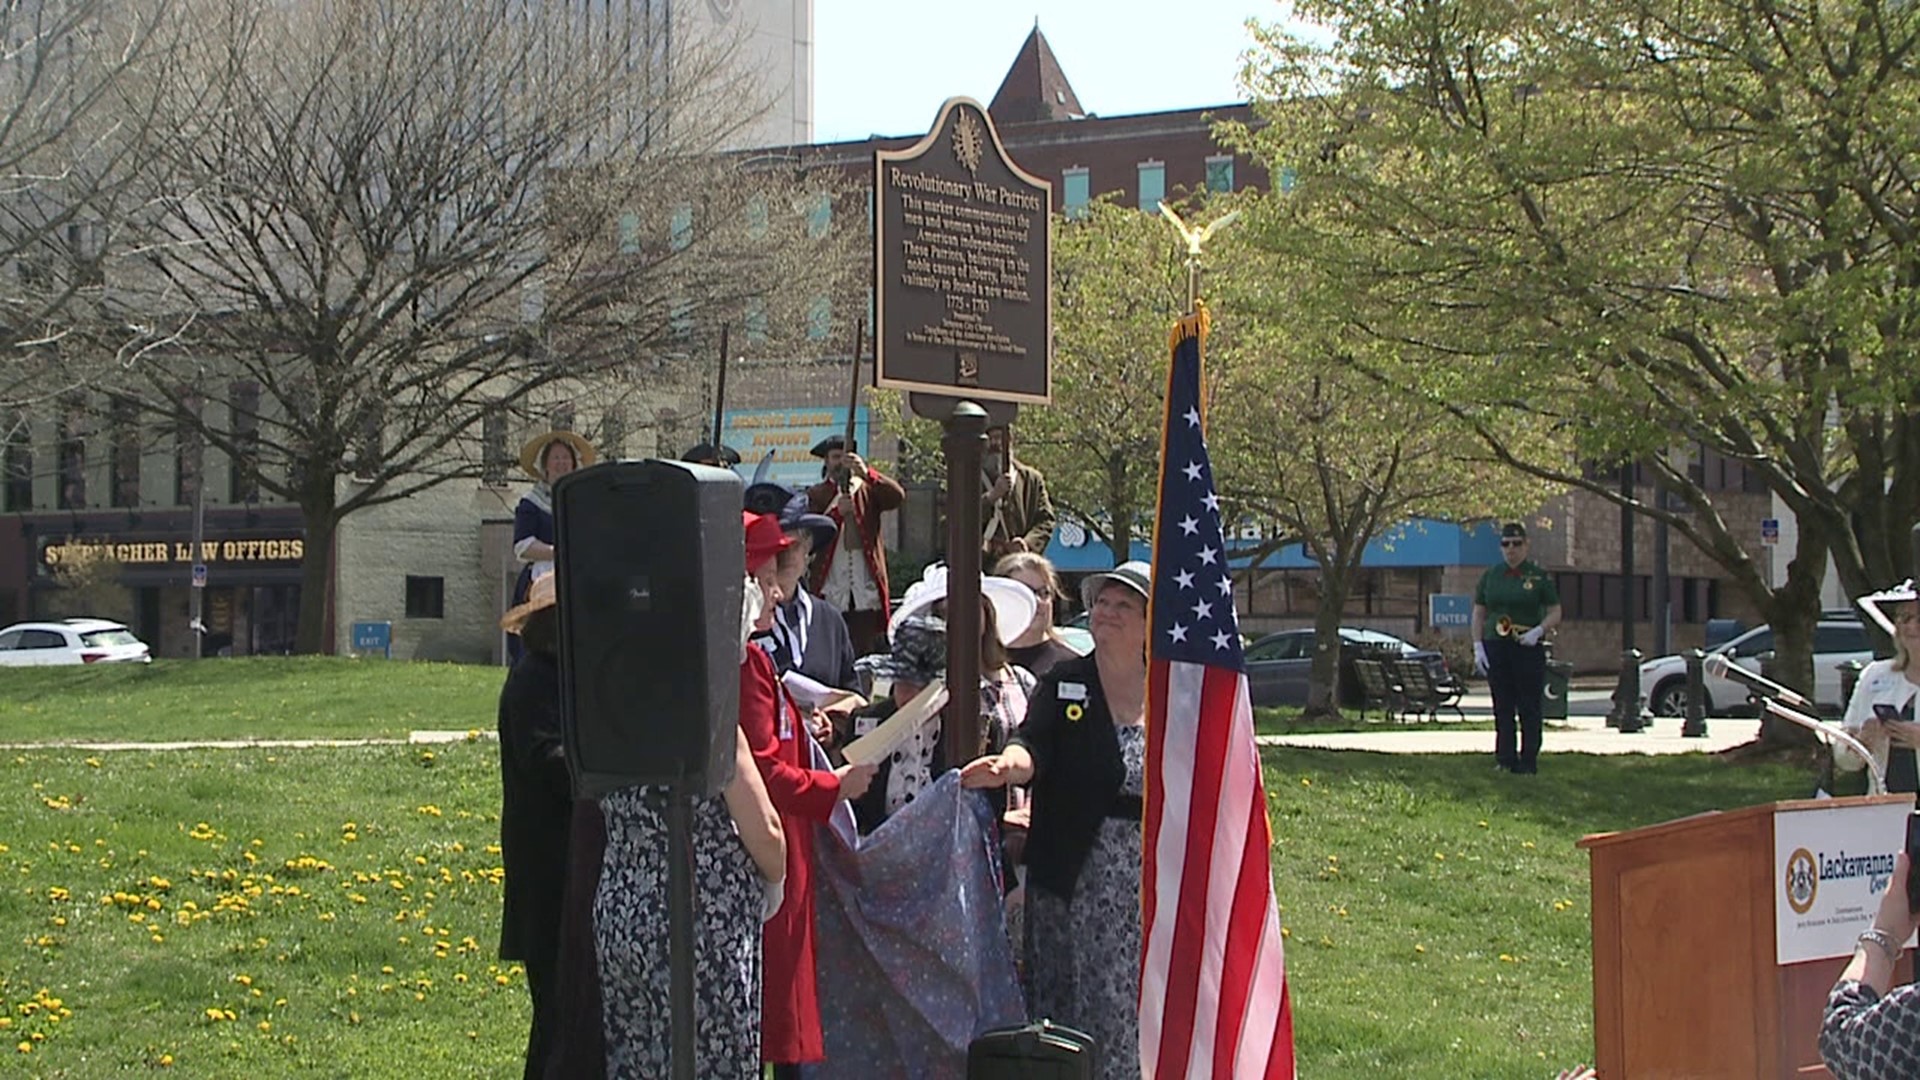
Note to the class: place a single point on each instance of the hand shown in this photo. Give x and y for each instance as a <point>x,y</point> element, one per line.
<point>986,772</point>
<point>1894,917</point>
<point>1480,658</point>
<point>819,726</point>
<point>1017,544</point>
<point>999,489</point>
<point>1018,819</point>
<point>854,780</point>
<point>1902,733</point>
<point>1533,636</point>
<point>858,464</point>
<point>772,894</point>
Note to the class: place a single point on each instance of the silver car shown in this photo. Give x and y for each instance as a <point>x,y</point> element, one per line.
<point>1837,638</point>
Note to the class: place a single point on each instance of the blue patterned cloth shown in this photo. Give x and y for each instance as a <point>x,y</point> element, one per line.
<point>914,959</point>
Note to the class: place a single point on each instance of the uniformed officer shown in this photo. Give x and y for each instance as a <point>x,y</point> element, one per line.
<point>1514,607</point>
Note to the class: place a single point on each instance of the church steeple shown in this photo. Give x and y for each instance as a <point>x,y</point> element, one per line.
<point>1035,88</point>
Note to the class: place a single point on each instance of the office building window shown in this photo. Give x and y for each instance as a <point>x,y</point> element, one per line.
<point>819,319</point>
<point>613,433</point>
<point>426,597</point>
<point>680,228</point>
<point>756,320</point>
<point>72,450</point>
<point>493,446</point>
<point>819,215</point>
<point>16,463</point>
<point>680,321</point>
<point>1220,173</point>
<point>629,233</point>
<point>757,218</point>
<point>1153,184</point>
<point>1076,190</point>
<point>243,470</point>
<point>126,453</point>
<point>1288,178</point>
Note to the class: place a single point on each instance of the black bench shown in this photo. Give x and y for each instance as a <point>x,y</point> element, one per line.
<point>1425,690</point>
<point>1379,689</point>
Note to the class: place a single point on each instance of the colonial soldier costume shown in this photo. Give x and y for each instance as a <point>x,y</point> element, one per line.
<point>852,573</point>
<point>1514,607</point>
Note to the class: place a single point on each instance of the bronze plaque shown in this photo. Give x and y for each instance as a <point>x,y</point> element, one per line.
<point>964,254</point>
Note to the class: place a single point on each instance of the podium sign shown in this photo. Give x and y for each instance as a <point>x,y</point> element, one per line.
<point>964,256</point>
<point>1831,868</point>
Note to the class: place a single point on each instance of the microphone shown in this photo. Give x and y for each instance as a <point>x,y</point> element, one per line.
<point>1876,780</point>
<point>1720,667</point>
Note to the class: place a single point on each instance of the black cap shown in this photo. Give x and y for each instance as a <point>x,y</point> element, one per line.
<point>829,444</point>
<point>707,454</point>
<point>1513,529</point>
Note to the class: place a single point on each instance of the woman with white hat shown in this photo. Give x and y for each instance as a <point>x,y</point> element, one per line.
<point>1083,750</point>
<point>1881,712</point>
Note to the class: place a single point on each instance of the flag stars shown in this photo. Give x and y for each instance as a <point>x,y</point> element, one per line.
<point>1226,586</point>
<point>1177,634</point>
<point>1207,555</point>
<point>1184,579</point>
<point>1203,610</point>
<point>1193,470</point>
<point>1193,417</point>
<point>1211,502</point>
<point>1189,525</point>
<point>1221,640</point>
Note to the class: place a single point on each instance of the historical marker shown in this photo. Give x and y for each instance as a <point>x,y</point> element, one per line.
<point>963,254</point>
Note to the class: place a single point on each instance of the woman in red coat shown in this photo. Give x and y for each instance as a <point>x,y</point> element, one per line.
<point>776,732</point>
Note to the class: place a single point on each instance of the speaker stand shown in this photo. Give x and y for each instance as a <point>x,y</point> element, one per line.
<point>680,925</point>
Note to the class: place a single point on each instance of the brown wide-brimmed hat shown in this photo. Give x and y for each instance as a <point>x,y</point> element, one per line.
<point>540,596</point>
<point>583,451</point>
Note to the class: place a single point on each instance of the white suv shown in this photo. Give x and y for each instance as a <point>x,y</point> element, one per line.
<point>70,641</point>
<point>1837,638</point>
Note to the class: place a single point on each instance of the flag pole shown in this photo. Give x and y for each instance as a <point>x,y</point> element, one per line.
<point>1196,238</point>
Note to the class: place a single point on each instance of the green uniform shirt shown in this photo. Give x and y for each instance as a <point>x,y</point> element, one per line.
<point>1523,594</point>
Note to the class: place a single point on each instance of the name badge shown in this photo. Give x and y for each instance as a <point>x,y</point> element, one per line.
<point>786,722</point>
<point>1073,691</point>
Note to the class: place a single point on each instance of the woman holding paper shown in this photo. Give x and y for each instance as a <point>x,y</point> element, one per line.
<point>776,732</point>
<point>1881,712</point>
<point>1083,750</point>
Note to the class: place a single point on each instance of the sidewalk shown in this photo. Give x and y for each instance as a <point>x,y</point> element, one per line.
<point>1584,732</point>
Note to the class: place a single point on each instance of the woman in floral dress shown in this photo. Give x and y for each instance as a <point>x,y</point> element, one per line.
<point>739,868</point>
<point>1083,749</point>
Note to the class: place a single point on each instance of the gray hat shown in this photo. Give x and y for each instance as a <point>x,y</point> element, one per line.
<point>1135,575</point>
<point>794,511</point>
<point>919,653</point>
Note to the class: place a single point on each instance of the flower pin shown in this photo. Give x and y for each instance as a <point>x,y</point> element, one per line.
<point>1075,711</point>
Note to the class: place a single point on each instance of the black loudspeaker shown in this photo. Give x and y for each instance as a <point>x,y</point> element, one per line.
<point>651,563</point>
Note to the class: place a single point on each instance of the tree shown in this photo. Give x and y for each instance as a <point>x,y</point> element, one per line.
<point>395,225</point>
<point>75,126</point>
<point>1632,226</point>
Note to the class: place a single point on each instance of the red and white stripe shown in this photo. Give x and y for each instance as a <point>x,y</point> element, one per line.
<point>1213,987</point>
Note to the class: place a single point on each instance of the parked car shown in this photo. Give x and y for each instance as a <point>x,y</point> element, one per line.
<point>70,641</point>
<point>1838,637</point>
<point>1278,664</point>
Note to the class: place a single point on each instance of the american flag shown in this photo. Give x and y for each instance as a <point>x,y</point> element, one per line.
<point>1213,986</point>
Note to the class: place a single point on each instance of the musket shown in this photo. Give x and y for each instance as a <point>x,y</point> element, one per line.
<point>720,393</point>
<point>845,477</point>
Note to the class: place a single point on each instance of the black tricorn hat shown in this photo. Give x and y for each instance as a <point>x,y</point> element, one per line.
<point>727,456</point>
<point>831,443</point>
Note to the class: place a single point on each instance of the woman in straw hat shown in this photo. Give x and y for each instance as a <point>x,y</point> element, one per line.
<point>1881,712</point>
<point>546,457</point>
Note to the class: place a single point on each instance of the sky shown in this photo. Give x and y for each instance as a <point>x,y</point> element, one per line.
<point>882,67</point>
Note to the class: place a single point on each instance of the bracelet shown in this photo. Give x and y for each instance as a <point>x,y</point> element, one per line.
<point>1884,940</point>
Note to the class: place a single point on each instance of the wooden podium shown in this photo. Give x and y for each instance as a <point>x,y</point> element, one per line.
<point>1689,918</point>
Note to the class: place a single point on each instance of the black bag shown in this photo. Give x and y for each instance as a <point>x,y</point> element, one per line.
<point>1039,1051</point>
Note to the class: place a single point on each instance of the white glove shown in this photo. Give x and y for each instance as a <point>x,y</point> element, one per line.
<point>772,893</point>
<point>1533,636</point>
<point>1479,658</point>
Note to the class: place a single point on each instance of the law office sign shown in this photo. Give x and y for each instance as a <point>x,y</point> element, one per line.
<point>964,257</point>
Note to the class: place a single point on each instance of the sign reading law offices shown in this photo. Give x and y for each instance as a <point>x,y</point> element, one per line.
<point>964,255</point>
<point>269,551</point>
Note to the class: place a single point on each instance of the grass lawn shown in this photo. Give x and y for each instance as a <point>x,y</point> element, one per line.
<point>334,912</point>
<point>1287,720</point>
<point>297,697</point>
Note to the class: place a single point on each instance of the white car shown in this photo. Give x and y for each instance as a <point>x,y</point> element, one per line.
<point>1837,638</point>
<point>70,641</point>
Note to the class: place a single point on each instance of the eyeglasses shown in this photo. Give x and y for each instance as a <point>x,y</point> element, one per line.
<point>1041,594</point>
<point>1513,543</point>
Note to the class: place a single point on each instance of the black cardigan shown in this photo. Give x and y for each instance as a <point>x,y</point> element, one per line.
<point>1077,773</point>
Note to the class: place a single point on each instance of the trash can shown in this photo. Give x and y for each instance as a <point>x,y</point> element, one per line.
<point>1553,695</point>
